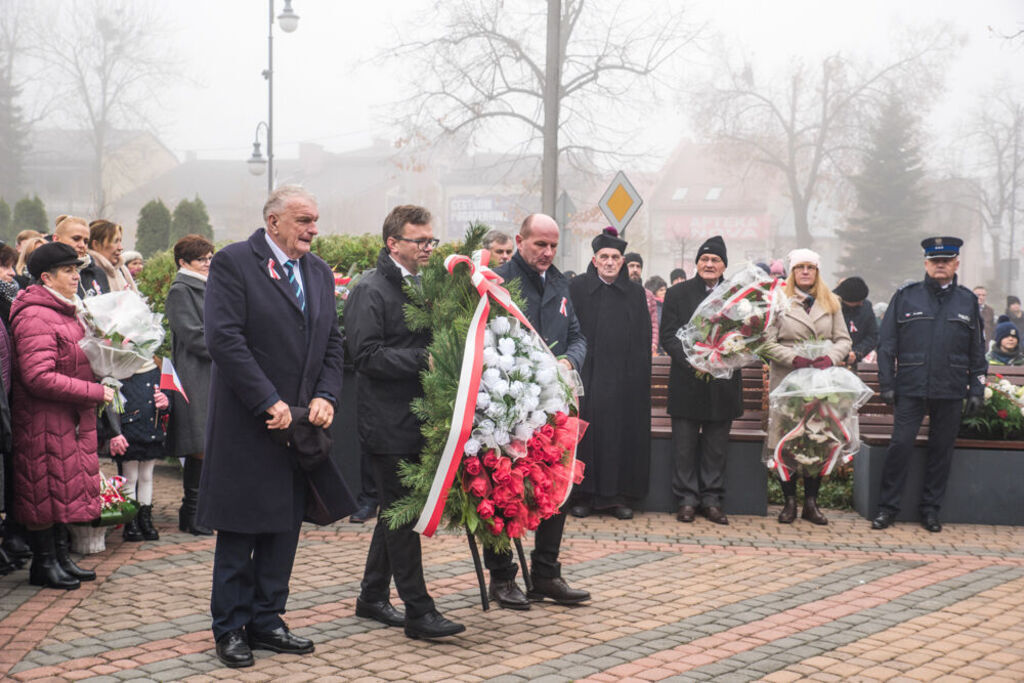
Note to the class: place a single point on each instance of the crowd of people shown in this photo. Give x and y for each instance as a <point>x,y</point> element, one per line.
<point>59,418</point>
<point>257,346</point>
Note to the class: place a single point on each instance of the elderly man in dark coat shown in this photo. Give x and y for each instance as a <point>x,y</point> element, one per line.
<point>616,380</point>
<point>272,331</point>
<point>702,408</point>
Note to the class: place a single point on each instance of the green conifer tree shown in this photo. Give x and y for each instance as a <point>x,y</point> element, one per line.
<point>6,227</point>
<point>190,218</point>
<point>154,231</point>
<point>891,203</point>
<point>30,214</point>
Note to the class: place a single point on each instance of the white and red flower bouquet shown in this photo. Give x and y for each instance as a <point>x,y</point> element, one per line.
<point>499,410</point>
<point>728,328</point>
<point>122,334</point>
<point>813,419</point>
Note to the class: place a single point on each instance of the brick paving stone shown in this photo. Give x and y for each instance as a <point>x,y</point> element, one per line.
<point>661,594</point>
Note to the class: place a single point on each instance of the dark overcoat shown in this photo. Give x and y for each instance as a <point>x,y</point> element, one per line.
<point>548,308</point>
<point>617,385</point>
<point>388,359</point>
<point>691,397</point>
<point>264,349</point>
<point>184,309</point>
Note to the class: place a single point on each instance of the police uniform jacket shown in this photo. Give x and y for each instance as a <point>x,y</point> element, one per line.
<point>931,343</point>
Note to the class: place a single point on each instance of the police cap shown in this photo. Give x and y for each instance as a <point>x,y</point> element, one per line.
<point>941,247</point>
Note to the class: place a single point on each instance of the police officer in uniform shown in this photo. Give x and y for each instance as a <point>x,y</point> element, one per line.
<point>931,355</point>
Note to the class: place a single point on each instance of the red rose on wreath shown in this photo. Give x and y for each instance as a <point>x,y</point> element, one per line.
<point>497,525</point>
<point>485,509</point>
<point>478,486</point>
<point>1002,413</point>
<point>503,470</point>
<point>472,466</point>
<point>511,510</point>
<point>490,459</point>
<point>515,529</point>
<point>503,495</point>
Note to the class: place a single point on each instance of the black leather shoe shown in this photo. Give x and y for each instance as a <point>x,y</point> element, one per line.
<point>930,521</point>
<point>233,650</point>
<point>382,611</point>
<point>279,640</point>
<point>581,510</point>
<point>366,512</point>
<point>558,590</point>
<point>622,512</point>
<point>686,513</point>
<point>715,514</point>
<point>507,594</point>
<point>431,625</point>
<point>883,520</point>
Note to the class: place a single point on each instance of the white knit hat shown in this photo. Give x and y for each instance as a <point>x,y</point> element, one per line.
<point>803,256</point>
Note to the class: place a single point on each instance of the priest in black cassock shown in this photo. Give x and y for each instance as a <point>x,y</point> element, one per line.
<point>616,449</point>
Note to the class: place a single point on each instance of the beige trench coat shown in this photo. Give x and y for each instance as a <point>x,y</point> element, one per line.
<point>797,325</point>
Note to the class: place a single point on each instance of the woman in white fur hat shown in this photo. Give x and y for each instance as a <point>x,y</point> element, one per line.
<point>816,314</point>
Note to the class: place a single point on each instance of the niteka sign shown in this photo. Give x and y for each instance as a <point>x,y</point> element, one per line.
<point>693,226</point>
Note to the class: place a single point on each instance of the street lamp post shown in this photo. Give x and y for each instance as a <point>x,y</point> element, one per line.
<point>289,21</point>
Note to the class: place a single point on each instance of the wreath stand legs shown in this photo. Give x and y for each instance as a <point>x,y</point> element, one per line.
<point>479,570</point>
<point>525,567</point>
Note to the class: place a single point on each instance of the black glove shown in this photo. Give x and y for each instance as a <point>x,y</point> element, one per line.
<point>974,405</point>
<point>888,397</point>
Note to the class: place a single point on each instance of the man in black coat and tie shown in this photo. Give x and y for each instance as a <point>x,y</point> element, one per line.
<point>272,332</point>
<point>702,408</point>
<point>388,359</point>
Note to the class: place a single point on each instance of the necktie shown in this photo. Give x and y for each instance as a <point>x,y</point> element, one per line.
<point>289,269</point>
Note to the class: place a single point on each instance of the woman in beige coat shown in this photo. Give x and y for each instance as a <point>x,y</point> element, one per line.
<point>815,314</point>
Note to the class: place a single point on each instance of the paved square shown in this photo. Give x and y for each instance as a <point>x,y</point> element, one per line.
<point>752,601</point>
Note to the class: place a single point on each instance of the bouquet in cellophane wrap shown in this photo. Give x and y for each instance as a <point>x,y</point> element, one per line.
<point>727,330</point>
<point>122,334</point>
<point>813,418</point>
<point>498,411</point>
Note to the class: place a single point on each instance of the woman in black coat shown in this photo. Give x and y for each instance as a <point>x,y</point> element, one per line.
<point>184,309</point>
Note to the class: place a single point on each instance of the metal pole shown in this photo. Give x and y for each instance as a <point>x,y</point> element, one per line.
<point>1012,273</point>
<point>269,74</point>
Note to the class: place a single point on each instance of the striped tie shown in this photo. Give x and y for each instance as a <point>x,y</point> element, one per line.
<point>289,269</point>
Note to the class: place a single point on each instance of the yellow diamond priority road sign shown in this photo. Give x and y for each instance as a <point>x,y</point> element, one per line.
<point>620,202</point>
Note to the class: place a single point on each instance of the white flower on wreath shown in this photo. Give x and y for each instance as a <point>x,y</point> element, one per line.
<point>507,346</point>
<point>500,326</point>
<point>490,341</point>
<point>472,447</point>
<point>806,459</point>
<point>499,390</point>
<point>484,428</point>
<point>988,393</point>
<point>491,357</point>
<point>529,403</point>
<point>495,410</point>
<point>490,377</point>
<point>742,310</point>
<point>522,432</point>
<point>545,376</point>
<point>516,389</point>
<point>537,419</point>
<point>506,363</point>
<point>483,399</point>
<point>501,437</point>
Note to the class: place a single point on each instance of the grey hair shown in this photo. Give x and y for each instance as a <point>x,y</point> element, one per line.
<point>280,197</point>
<point>496,237</point>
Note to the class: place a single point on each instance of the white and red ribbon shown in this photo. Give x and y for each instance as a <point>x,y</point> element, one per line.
<point>272,270</point>
<point>488,284</point>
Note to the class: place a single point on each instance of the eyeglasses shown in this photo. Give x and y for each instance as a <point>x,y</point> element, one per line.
<point>204,260</point>
<point>805,266</point>
<point>422,242</point>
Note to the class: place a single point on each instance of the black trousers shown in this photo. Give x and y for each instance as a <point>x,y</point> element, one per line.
<point>699,449</point>
<point>251,574</point>
<point>544,559</point>
<point>367,484</point>
<point>944,416</point>
<point>394,552</point>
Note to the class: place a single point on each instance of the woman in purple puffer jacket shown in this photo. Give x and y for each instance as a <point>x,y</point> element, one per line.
<point>56,470</point>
